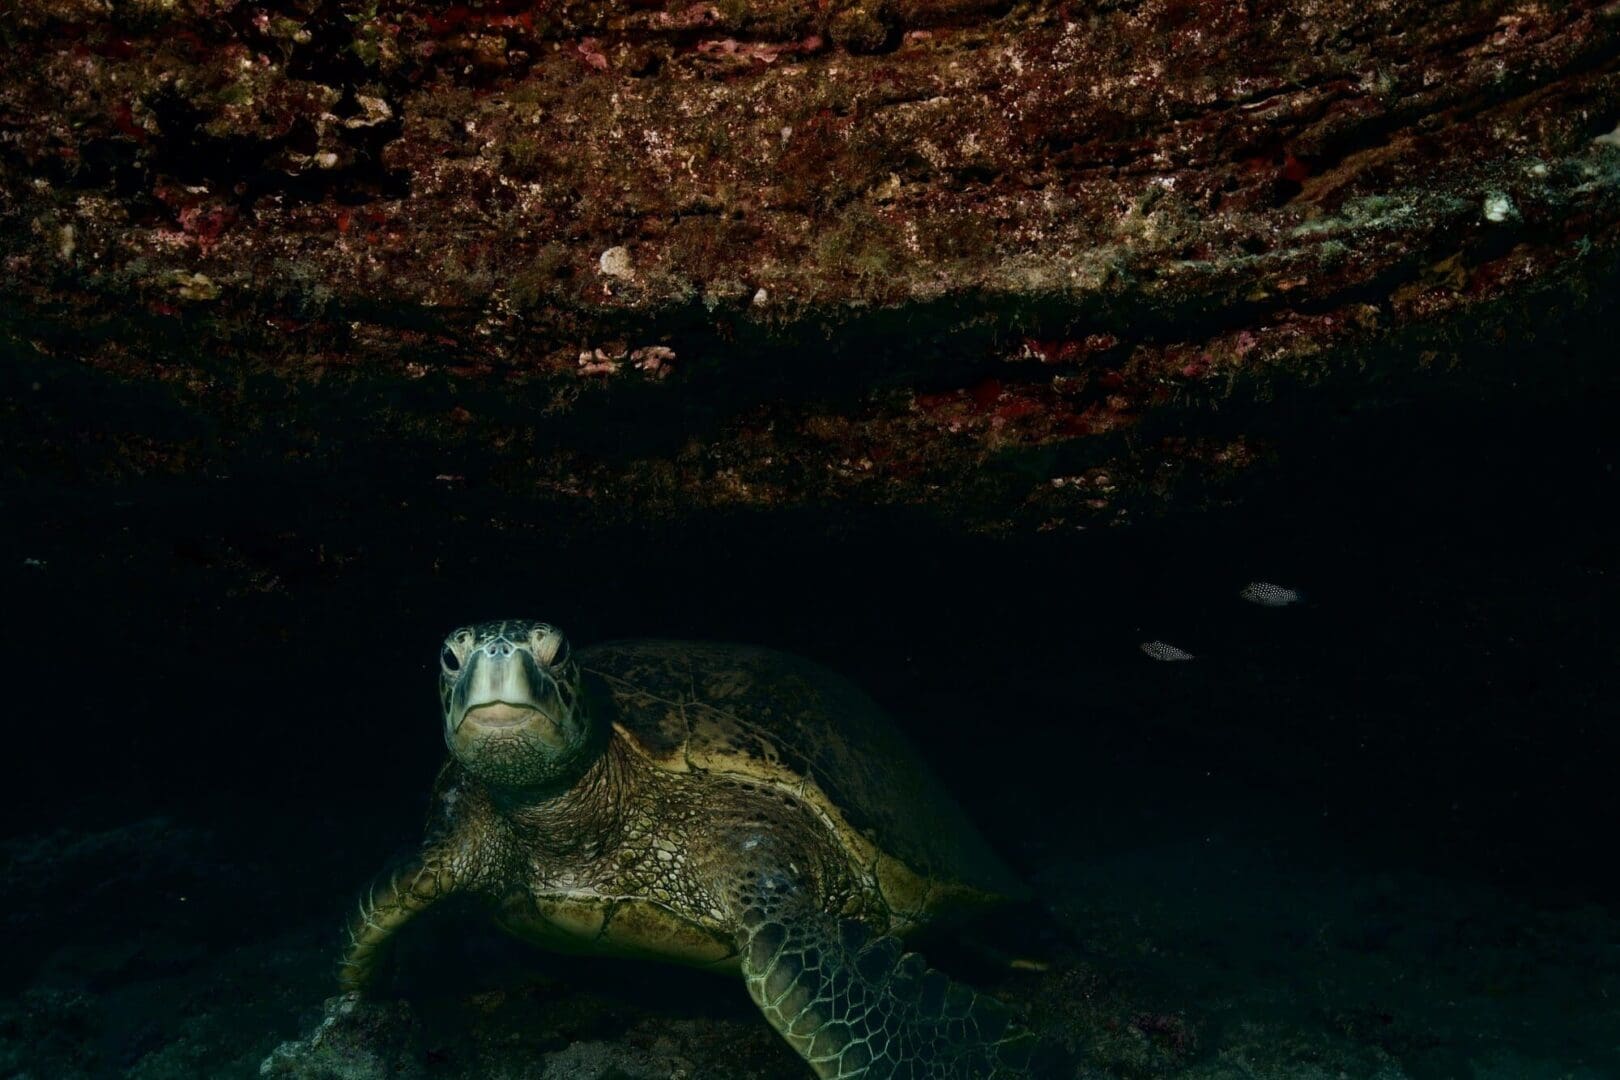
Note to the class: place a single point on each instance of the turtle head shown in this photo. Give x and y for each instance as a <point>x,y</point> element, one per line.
<point>515,714</point>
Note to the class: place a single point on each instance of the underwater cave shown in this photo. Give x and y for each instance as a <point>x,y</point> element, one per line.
<point>1164,449</point>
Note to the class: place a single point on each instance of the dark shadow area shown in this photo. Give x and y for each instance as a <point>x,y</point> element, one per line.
<point>251,660</point>
<point>199,648</point>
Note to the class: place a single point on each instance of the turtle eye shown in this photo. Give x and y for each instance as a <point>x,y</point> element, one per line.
<point>549,646</point>
<point>449,660</point>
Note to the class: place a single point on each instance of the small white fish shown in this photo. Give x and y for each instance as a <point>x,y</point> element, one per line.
<point>1266,594</point>
<point>1163,650</point>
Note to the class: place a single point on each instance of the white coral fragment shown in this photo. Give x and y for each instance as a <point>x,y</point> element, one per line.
<point>615,263</point>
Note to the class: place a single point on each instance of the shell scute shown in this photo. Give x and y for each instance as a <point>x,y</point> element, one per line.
<point>766,716</point>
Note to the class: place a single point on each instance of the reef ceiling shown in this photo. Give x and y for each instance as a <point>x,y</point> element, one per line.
<point>1036,265</point>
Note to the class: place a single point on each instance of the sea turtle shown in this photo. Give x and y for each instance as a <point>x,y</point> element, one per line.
<point>724,806</point>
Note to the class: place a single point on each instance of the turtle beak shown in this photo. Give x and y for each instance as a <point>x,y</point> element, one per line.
<point>502,686</point>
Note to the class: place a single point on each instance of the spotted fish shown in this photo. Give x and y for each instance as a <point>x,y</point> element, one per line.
<point>1163,650</point>
<point>1266,594</point>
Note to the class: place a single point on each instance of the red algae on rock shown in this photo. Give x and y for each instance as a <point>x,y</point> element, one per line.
<point>927,234</point>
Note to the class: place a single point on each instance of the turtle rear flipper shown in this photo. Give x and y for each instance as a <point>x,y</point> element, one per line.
<point>854,1006</point>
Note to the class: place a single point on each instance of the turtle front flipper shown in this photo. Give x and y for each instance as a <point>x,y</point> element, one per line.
<point>854,1006</point>
<point>393,900</point>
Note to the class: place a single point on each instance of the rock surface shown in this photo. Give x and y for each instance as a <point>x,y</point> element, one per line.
<point>1007,259</point>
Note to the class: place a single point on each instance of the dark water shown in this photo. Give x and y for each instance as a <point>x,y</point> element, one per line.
<point>1370,835</point>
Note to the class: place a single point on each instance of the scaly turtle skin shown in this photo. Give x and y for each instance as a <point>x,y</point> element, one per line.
<point>721,806</point>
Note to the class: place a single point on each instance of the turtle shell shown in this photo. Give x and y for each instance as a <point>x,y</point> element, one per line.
<point>784,721</point>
